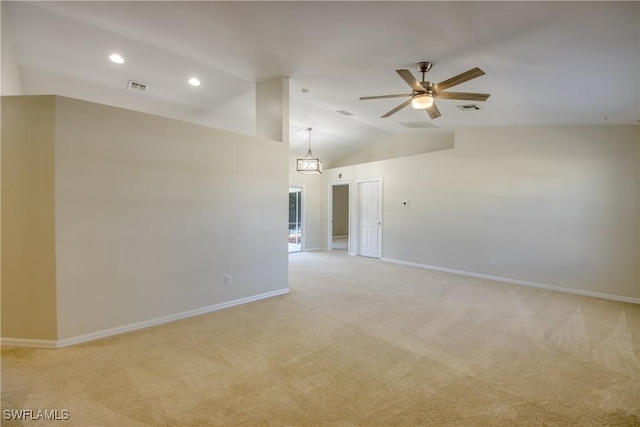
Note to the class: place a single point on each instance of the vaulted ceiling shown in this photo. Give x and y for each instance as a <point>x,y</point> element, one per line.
<point>546,63</point>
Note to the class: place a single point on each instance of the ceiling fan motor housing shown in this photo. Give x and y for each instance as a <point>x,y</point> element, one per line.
<point>428,86</point>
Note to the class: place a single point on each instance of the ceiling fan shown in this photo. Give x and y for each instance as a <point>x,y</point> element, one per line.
<point>424,93</point>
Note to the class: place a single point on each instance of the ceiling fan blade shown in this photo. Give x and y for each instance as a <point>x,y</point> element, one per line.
<point>466,96</point>
<point>398,108</point>
<point>399,95</point>
<point>433,111</point>
<point>460,78</point>
<point>411,81</point>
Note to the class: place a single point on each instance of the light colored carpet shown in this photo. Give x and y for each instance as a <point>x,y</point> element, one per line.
<point>357,342</point>
<point>340,243</point>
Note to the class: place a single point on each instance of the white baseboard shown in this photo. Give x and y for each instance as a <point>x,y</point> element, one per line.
<point>20,342</point>
<point>518,282</point>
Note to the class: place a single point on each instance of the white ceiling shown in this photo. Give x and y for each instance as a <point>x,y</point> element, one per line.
<point>546,63</point>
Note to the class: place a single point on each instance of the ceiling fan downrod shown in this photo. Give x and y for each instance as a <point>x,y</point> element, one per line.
<point>424,67</point>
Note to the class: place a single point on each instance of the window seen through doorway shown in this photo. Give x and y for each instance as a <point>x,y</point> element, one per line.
<point>295,219</point>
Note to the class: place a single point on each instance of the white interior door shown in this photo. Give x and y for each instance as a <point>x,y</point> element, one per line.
<point>370,218</point>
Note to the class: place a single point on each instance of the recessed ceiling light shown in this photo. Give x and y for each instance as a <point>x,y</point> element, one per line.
<point>114,57</point>
<point>194,82</point>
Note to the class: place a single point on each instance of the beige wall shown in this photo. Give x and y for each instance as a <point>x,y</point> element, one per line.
<point>28,290</point>
<point>272,109</point>
<point>394,146</point>
<point>556,206</point>
<point>10,78</point>
<point>151,214</point>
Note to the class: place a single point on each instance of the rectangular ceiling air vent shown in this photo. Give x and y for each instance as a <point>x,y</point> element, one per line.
<point>468,107</point>
<point>137,87</point>
<point>419,125</point>
<point>345,113</point>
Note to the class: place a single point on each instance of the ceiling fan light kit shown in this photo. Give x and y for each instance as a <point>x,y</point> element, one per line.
<point>309,165</point>
<point>421,101</point>
<point>425,93</point>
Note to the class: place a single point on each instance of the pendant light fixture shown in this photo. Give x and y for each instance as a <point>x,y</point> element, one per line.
<point>309,165</point>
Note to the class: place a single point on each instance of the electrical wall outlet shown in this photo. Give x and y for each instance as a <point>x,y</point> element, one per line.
<point>492,261</point>
<point>227,280</point>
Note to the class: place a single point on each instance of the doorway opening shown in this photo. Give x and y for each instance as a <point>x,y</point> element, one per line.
<point>295,219</point>
<point>339,220</point>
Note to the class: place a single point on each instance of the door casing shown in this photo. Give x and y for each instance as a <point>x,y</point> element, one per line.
<point>330,216</point>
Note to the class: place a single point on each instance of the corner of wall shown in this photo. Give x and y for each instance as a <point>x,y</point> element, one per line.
<point>638,248</point>
<point>28,229</point>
